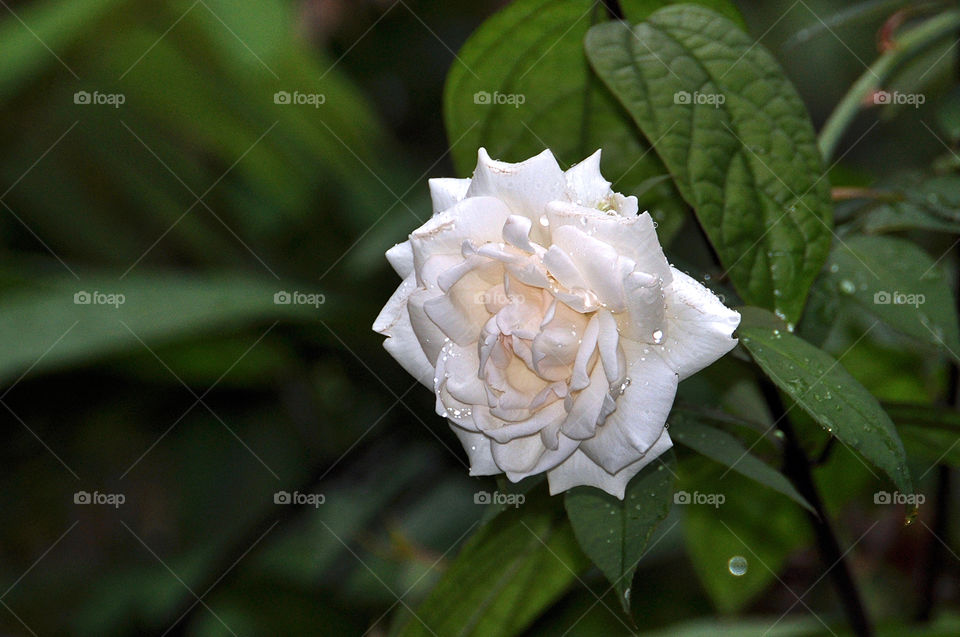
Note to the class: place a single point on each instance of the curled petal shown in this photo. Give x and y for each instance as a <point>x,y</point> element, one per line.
<point>699,326</point>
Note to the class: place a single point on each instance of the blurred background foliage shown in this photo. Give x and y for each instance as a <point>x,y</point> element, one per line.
<point>198,398</point>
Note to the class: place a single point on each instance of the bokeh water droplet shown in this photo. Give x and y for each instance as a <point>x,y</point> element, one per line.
<point>737,565</point>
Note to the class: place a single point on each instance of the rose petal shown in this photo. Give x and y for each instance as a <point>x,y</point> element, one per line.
<point>403,345</point>
<point>400,257</point>
<point>580,470</point>
<point>585,185</point>
<point>699,326</point>
<point>640,416</point>
<point>447,192</point>
<point>526,187</point>
<point>477,219</point>
<point>631,237</point>
<point>478,451</point>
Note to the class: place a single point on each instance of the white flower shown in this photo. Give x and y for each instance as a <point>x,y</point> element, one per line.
<point>539,307</point>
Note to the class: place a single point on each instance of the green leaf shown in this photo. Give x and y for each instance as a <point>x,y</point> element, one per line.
<point>931,433</point>
<point>614,533</point>
<point>504,576</point>
<point>637,10</point>
<point>824,389</point>
<point>40,33</point>
<point>897,282</point>
<point>725,448</point>
<point>922,202</point>
<point>45,329</point>
<point>532,51</point>
<point>749,166</point>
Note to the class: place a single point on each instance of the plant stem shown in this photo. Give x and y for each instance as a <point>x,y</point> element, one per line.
<point>796,466</point>
<point>907,45</point>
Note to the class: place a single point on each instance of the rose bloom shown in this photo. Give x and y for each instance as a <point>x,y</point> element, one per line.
<point>539,307</point>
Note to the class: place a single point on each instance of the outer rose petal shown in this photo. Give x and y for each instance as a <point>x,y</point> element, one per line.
<point>400,257</point>
<point>478,220</point>
<point>526,187</point>
<point>580,470</point>
<point>446,192</point>
<point>699,326</point>
<point>477,447</point>
<point>403,345</point>
<point>640,416</point>
<point>585,185</point>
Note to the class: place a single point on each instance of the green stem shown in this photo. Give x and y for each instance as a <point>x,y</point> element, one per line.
<point>907,45</point>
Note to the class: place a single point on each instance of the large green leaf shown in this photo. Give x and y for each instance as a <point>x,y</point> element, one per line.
<point>532,51</point>
<point>614,533</point>
<point>45,328</point>
<point>897,282</point>
<point>824,389</point>
<point>725,448</point>
<point>734,134</point>
<point>504,576</point>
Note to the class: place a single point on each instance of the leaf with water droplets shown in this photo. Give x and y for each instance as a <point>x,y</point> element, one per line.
<point>896,281</point>
<point>820,385</point>
<point>736,137</point>
<point>691,430</point>
<point>615,533</point>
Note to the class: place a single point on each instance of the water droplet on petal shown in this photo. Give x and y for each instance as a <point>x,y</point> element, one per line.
<point>657,337</point>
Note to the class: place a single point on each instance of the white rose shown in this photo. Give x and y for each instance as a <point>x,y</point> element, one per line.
<point>539,307</point>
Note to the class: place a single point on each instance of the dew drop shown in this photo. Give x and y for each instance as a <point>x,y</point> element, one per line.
<point>737,565</point>
<point>657,337</point>
<point>544,221</point>
<point>847,286</point>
